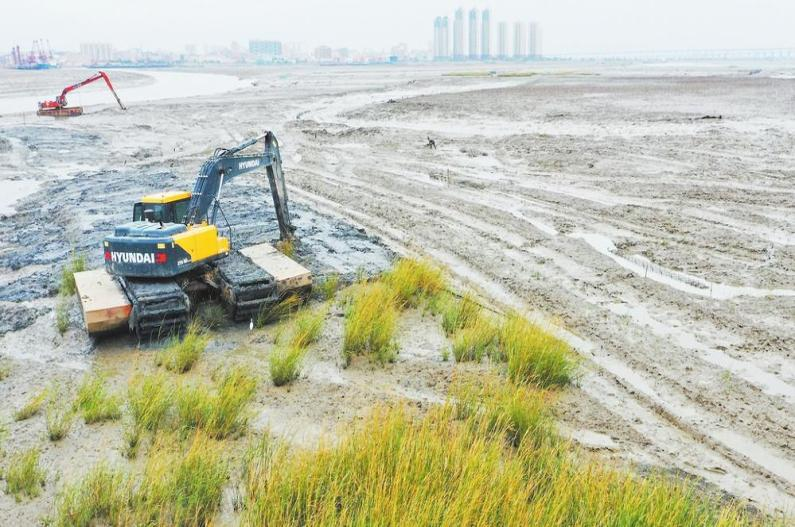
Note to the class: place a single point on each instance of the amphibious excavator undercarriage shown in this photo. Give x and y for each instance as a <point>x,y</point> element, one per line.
<point>171,255</point>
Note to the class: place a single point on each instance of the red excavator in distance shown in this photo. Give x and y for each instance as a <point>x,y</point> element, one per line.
<point>59,108</point>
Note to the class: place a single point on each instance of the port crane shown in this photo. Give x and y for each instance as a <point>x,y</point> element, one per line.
<point>59,107</point>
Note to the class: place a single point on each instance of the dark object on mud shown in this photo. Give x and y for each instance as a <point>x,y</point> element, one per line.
<point>14,317</point>
<point>391,101</point>
<point>708,117</point>
<point>431,144</point>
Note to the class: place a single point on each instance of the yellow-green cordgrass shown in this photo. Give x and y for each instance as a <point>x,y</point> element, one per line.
<point>95,403</point>
<point>413,281</point>
<point>328,286</point>
<point>62,314</point>
<point>211,315</point>
<point>498,465</point>
<point>182,485</point>
<point>306,327</point>
<point>77,263</point>
<point>475,341</point>
<point>58,417</point>
<point>32,407</point>
<point>370,323</point>
<point>277,311</point>
<point>24,476</point>
<point>149,398</point>
<point>218,412</point>
<point>5,371</point>
<point>181,354</point>
<point>534,355</point>
<point>285,363</point>
<point>458,313</point>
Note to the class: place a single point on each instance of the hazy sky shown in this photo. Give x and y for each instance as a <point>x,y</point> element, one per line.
<point>569,26</point>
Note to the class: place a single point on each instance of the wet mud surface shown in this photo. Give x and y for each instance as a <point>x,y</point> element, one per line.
<point>660,244</point>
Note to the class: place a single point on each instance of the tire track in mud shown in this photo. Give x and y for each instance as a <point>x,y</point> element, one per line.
<point>735,463</point>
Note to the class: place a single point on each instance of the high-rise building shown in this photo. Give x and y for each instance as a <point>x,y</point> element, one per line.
<point>441,38</point>
<point>437,38</point>
<point>445,44</point>
<point>485,34</point>
<point>502,40</point>
<point>267,48</point>
<point>458,34</point>
<point>519,49</point>
<point>533,40</point>
<point>473,34</point>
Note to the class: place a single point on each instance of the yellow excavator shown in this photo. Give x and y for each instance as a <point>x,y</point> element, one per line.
<point>173,249</point>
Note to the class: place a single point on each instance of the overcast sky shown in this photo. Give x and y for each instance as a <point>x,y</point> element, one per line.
<point>569,26</point>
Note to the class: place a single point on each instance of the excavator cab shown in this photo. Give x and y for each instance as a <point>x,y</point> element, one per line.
<point>163,207</point>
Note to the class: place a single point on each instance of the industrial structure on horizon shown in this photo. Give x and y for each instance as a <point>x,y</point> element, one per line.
<point>525,44</point>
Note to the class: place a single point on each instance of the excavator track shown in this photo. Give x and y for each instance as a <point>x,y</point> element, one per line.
<point>245,286</point>
<point>159,307</point>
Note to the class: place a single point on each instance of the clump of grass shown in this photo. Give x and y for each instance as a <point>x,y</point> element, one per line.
<point>414,281</point>
<point>520,412</point>
<point>286,247</point>
<point>397,469</point>
<point>58,418</point>
<point>534,355</point>
<point>278,310</point>
<point>103,497</point>
<point>95,403</point>
<point>32,407</point>
<point>473,342</point>
<point>370,324</point>
<point>62,314</point>
<point>5,370</point>
<point>77,263</point>
<point>306,327</point>
<point>328,287</point>
<point>219,413</point>
<point>149,398</point>
<point>285,363</point>
<point>180,355</point>
<point>211,315</point>
<point>24,476</point>
<point>183,488</point>
<point>458,313</point>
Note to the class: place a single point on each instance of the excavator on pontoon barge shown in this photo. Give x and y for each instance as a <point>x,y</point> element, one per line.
<point>172,253</point>
<point>59,107</point>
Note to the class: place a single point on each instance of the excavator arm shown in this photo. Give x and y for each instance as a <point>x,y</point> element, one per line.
<point>60,100</point>
<point>227,164</point>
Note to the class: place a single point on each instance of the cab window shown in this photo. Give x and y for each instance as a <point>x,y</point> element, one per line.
<point>138,212</point>
<point>181,210</point>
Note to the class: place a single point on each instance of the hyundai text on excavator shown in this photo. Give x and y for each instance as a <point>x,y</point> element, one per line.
<point>173,253</point>
<point>59,107</point>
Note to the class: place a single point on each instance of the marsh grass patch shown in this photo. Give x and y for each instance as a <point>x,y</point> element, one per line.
<point>95,403</point>
<point>24,477</point>
<point>181,354</point>
<point>32,407</point>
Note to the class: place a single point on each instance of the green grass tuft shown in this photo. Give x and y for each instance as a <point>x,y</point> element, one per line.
<point>183,488</point>
<point>23,476</point>
<point>476,341</point>
<point>149,399</point>
<point>328,287</point>
<point>180,355</point>
<point>32,407</point>
<point>286,247</point>
<point>103,497</point>
<point>277,311</point>
<point>414,281</point>
<point>370,324</point>
<point>77,263</point>
<point>211,315</point>
<point>306,327</point>
<point>458,313</point>
<point>58,417</point>
<point>62,314</point>
<point>95,403</point>
<point>534,355</point>
<point>221,412</point>
<point>5,370</point>
<point>285,364</point>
